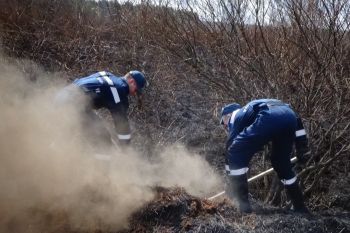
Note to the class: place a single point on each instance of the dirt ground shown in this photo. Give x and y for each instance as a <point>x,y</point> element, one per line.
<point>175,211</point>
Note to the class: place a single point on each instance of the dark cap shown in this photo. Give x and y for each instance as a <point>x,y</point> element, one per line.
<point>140,80</point>
<point>227,109</point>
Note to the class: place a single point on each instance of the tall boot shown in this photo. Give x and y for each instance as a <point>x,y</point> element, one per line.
<point>237,189</point>
<point>295,194</point>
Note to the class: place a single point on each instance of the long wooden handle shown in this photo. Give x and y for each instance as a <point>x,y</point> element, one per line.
<point>293,160</point>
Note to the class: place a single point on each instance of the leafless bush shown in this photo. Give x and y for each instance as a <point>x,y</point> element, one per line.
<point>296,51</point>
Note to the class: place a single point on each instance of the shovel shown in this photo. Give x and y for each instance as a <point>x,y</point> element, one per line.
<point>293,160</point>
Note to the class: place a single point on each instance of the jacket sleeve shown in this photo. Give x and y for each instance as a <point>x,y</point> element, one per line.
<point>244,118</point>
<point>301,142</point>
<point>119,114</point>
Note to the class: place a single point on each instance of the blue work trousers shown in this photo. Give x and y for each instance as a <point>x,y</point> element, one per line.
<point>276,124</point>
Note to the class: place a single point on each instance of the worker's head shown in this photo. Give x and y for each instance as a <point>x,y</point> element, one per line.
<point>136,81</point>
<point>226,113</point>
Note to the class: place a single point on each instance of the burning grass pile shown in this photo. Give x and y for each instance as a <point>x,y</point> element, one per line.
<point>173,210</point>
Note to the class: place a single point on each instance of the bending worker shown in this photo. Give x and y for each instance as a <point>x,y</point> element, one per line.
<point>249,129</point>
<point>105,90</point>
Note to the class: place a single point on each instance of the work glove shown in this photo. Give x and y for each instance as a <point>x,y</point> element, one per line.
<point>303,152</point>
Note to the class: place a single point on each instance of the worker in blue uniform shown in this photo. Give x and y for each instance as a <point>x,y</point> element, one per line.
<point>105,90</point>
<point>250,128</point>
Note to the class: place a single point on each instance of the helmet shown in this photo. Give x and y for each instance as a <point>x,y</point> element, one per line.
<point>228,109</point>
<point>139,79</point>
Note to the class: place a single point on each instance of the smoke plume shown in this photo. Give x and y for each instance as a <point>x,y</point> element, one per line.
<point>50,179</point>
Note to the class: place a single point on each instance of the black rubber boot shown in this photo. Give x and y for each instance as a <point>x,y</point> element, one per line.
<point>237,190</point>
<point>296,196</point>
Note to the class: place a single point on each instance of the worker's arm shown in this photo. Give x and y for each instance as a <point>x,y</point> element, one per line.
<point>301,143</point>
<point>242,119</point>
<point>121,122</point>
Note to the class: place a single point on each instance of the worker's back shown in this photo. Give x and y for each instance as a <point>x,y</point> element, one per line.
<point>105,89</point>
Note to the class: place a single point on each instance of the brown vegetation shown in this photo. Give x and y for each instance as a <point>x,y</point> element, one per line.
<point>296,51</point>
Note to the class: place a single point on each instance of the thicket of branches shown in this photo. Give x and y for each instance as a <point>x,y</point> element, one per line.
<point>294,50</point>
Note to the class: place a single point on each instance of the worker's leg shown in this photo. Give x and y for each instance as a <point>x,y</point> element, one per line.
<point>244,146</point>
<point>70,96</point>
<point>237,189</point>
<point>96,133</point>
<point>282,146</point>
